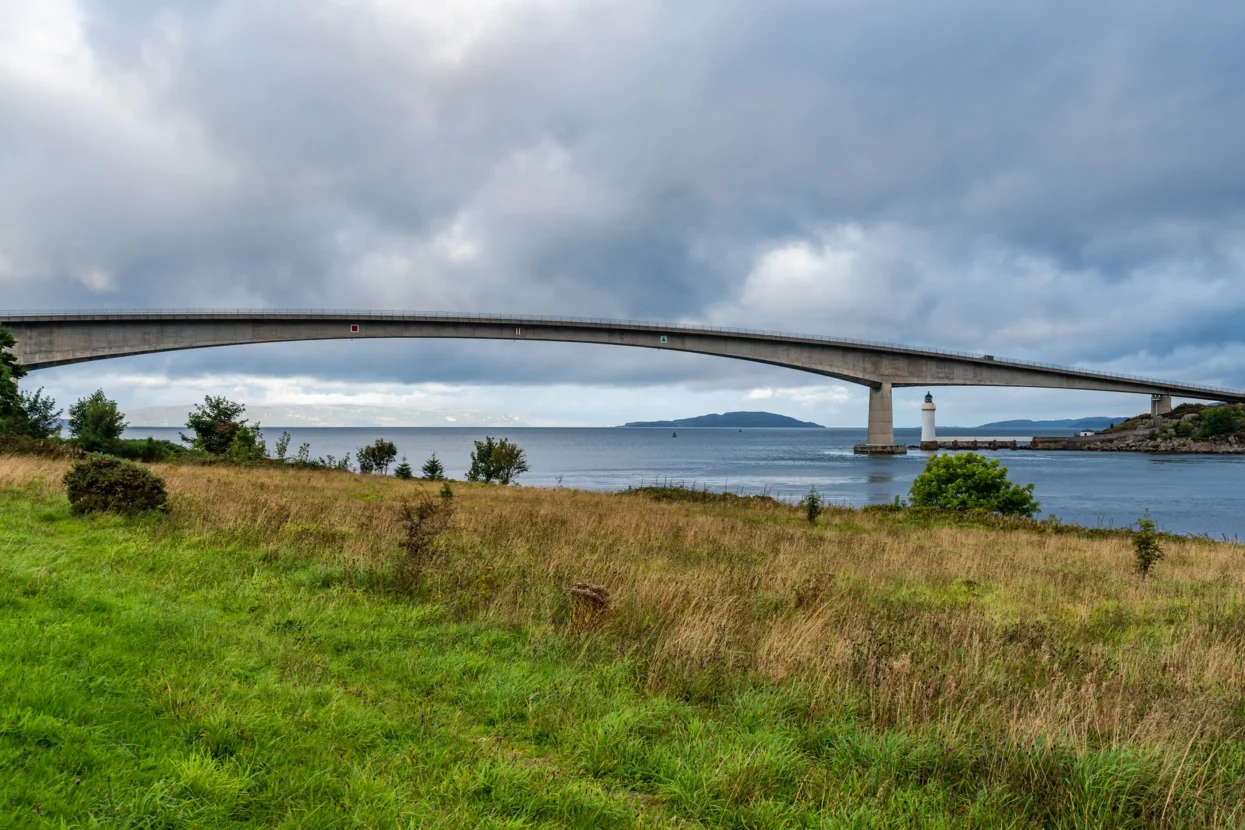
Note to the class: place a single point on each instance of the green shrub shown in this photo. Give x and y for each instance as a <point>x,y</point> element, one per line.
<point>1146,545</point>
<point>102,483</point>
<point>403,470</point>
<point>969,481</point>
<point>811,504</point>
<point>147,450</point>
<point>1218,420</point>
<point>248,445</point>
<point>43,447</point>
<point>1183,429</point>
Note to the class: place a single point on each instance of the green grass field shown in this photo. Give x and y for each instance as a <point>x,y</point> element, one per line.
<point>153,675</point>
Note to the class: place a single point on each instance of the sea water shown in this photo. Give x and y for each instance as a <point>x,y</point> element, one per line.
<point>1199,494</point>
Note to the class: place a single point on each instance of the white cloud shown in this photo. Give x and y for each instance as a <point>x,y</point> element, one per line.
<point>897,283</point>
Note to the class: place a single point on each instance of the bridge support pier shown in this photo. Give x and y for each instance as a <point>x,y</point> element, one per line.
<point>1160,405</point>
<point>881,437</point>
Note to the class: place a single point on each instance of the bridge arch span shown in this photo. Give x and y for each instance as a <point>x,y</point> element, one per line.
<point>47,339</point>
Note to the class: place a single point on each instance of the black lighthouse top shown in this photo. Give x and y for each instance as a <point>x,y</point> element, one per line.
<point>929,398</point>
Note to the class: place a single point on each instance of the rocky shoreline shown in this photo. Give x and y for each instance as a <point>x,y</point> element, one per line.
<point>1230,445</point>
<point>1190,428</point>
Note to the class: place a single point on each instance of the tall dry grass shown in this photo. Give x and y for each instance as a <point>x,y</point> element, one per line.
<point>1028,636</point>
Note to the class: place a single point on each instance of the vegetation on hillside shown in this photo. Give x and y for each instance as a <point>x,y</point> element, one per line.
<point>1189,420</point>
<point>266,654</point>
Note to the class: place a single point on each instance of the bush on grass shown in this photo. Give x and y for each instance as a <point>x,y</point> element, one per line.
<point>102,483</point>
<point>968,481</point>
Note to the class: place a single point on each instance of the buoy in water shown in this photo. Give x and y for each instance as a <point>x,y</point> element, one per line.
<point>674,435</point>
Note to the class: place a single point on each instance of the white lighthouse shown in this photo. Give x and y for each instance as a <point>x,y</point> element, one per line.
<point>927,419</point>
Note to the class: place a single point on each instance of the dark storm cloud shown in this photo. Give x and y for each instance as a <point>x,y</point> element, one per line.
<point>1047,180</point>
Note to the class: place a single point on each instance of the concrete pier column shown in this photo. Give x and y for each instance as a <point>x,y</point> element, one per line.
<point>1160,405</point>
<point>881,417</point>
<point>881,439</point>
<point>882,424</point>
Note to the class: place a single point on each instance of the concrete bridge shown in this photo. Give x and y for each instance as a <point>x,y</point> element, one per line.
<point>47,339</point>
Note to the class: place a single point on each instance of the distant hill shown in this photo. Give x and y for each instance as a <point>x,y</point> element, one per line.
<point>733,420</point>
<point>1101,422</point>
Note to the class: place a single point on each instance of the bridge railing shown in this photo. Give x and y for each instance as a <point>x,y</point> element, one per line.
<point>356,313</point>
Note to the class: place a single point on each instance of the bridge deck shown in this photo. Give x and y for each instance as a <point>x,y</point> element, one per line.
<point>42,318</point>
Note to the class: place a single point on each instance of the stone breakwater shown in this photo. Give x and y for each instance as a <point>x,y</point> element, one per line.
<point>1133,442</point>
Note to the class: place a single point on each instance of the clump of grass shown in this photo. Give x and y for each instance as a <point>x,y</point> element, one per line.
<point>678,493</point>
<point>425,521</point>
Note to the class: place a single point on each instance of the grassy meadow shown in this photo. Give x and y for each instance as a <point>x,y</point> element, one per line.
<point>268,655</point>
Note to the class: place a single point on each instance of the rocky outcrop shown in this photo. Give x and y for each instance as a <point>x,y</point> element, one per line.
<point>1142,441</point>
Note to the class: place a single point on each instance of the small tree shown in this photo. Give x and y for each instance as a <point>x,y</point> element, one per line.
<point>812,504</point>
<point>377,456</point>
<point>95,421</point>
<point>31,415</point>
<point>34,415</point>
<point>1146,545</point>
<point>968,481</point>
<point>215,423</point>
<point>403,470</point>
<point>10,373</point>
<point>283,446</point>
<point>447,492</point>
<point>501,461</point>
<point>433,469</point>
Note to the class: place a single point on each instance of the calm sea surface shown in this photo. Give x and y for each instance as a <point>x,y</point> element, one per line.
<point>1185,493</point>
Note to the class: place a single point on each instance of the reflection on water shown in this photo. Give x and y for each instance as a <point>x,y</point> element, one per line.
<point>1191,494</point>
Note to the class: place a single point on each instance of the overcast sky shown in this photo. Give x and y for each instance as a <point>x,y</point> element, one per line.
<point>1049,180</point>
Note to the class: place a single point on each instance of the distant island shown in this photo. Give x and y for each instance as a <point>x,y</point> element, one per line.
<point>1100,422</point>
<point>732,420</point>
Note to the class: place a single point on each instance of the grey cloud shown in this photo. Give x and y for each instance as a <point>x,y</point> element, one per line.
<point>1059,181</point>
